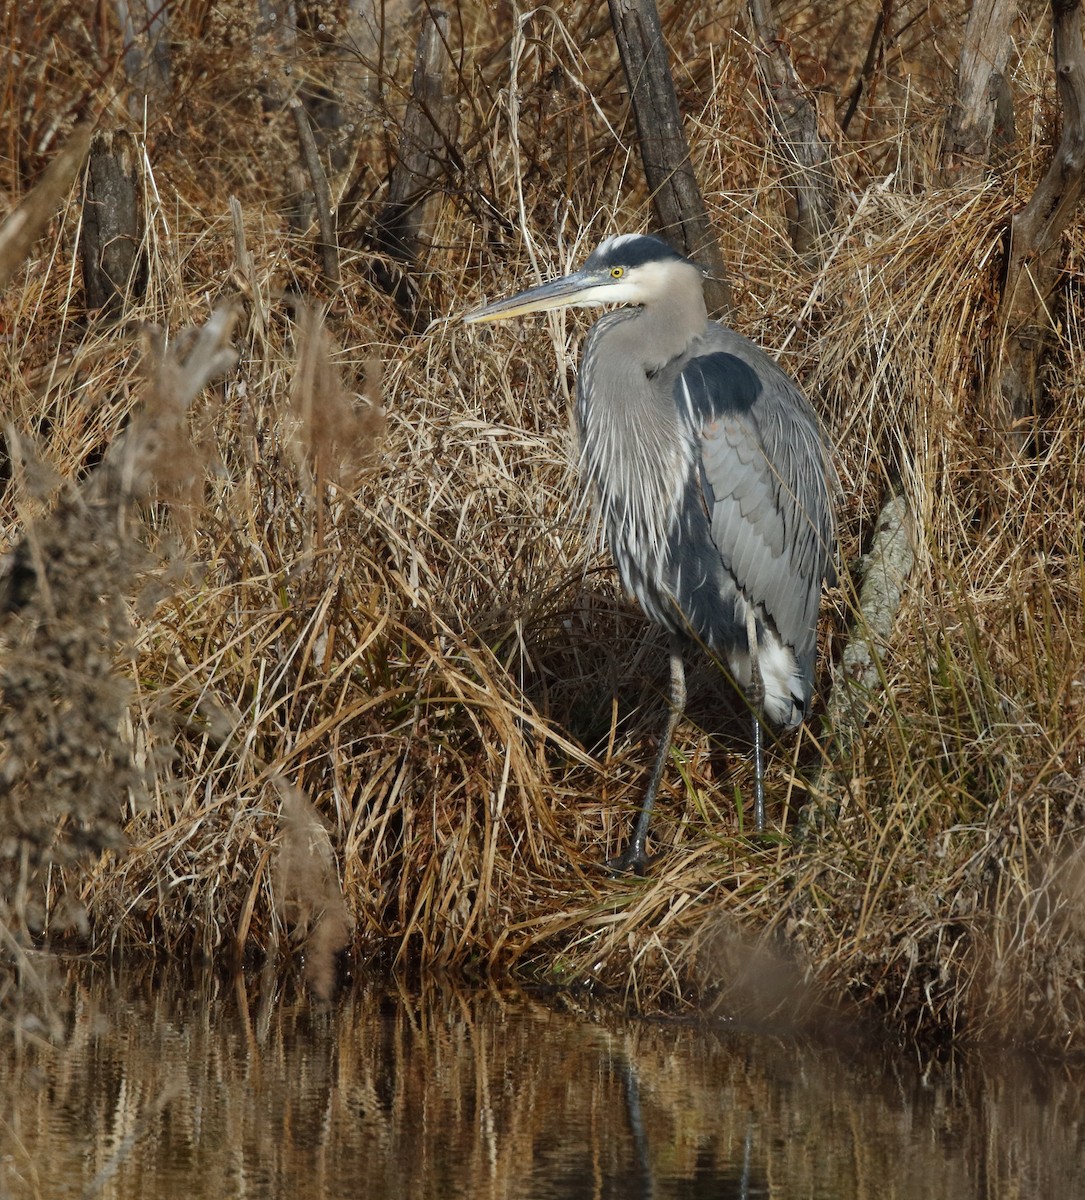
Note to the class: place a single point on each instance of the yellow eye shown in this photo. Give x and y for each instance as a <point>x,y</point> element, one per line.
<point>617,272</point>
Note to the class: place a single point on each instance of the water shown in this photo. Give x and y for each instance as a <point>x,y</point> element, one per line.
<point>256,1090</point>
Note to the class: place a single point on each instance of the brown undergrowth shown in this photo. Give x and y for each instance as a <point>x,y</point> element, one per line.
<point>354,671</point>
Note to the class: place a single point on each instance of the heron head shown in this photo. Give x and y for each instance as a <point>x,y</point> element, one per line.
<point>630,269</point>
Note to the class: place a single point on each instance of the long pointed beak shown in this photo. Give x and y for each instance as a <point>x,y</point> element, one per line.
<point>578,288</point>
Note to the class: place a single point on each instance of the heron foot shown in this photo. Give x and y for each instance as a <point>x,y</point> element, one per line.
<point>633,859</point>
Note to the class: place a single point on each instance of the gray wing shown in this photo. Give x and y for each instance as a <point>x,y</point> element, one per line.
<point>767,479</point>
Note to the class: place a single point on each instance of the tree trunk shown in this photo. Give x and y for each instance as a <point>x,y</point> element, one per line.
<point>145,26</point>
<point>803,153</point>
<point>983,113</point>
<point>1032,261</point>
<point>332,76</point>
<point>111,241</point>
<point>860,676</point>
<point>680,211</point>
<point>429,128</point>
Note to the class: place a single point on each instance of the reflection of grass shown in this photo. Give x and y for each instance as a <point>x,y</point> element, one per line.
<point>492,1094</point>
<point>401,622</point>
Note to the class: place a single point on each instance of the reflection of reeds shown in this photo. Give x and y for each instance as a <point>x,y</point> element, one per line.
<point>205,1090</point>
<point>401,617</point>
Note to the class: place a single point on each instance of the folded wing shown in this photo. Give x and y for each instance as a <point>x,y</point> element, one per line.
<point>767,482</point>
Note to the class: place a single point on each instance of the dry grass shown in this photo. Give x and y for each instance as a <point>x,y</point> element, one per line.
<point>368,639</point>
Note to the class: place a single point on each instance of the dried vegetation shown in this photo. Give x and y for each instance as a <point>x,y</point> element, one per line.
<point>348,665</point>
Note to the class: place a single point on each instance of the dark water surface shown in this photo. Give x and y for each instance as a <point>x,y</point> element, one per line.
<point>255,1089</point>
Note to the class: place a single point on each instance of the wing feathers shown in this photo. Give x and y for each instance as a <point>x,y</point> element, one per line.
<point>766,479</point>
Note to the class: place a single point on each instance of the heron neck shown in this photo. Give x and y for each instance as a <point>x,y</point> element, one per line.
<point>659,333</point>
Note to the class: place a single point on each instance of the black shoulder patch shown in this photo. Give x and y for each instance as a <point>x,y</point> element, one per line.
<point>718,383</point>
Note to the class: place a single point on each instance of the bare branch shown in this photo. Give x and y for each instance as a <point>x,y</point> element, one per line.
<point>25,225</point>
<point>1032,265</point>
<point>329,239</point>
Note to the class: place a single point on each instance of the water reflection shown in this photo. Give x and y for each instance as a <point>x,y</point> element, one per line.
<point>256,1090</point>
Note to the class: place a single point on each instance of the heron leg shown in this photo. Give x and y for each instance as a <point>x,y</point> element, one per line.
<point>634,856</point>
<point>755,694</point>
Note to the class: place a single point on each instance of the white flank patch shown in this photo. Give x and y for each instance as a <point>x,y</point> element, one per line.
<point>784,688</point>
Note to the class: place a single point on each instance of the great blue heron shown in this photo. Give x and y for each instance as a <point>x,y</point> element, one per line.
<point>713,479</point>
